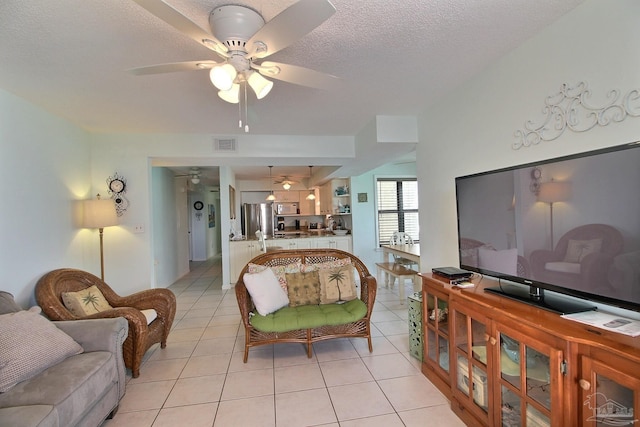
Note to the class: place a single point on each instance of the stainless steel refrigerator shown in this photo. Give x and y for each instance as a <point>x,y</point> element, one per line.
<point>258,216</point>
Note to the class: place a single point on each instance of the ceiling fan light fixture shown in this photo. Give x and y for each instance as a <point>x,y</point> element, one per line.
<point>232,95</point>
<point>311,195</point>
<point>286,185</point>
<point>222,76</point>
<point>259,84</point>
<point>271,197</point>
<point>195,179</point>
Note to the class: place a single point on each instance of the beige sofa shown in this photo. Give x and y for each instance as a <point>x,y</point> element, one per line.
<point>82,390</point>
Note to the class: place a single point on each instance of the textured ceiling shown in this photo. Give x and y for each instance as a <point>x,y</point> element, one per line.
<point>393,57</point>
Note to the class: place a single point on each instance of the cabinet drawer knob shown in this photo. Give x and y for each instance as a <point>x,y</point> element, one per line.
<point>584,384</point>
<point>493,341</point>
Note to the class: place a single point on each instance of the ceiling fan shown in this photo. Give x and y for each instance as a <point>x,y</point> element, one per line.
<point>194,175</point>
<point>240,38</point>
<point>286,182</point>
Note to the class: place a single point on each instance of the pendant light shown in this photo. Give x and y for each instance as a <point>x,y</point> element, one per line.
<point>311,195</point>
<point>271,197</point>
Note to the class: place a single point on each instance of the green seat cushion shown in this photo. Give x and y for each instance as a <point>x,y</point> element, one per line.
<point>309,316</point>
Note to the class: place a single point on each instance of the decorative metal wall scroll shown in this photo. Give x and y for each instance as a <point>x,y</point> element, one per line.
<point>570,109</point>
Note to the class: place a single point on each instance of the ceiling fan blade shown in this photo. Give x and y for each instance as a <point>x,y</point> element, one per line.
<point>173,67</point>
<point>298,75</point>
<point>183,24</point>
<point>288,26</point>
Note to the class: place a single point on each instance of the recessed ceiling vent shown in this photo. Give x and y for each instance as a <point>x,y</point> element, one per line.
<point>224,144</point>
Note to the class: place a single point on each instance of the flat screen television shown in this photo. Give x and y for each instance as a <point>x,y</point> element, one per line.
<point>568,225</point>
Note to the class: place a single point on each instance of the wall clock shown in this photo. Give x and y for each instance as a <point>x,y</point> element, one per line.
<point>536,178</point>
<point>198,205</point>
<point>117,185</point>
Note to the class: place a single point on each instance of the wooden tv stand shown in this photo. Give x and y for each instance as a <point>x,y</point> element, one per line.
<point>505,363</point>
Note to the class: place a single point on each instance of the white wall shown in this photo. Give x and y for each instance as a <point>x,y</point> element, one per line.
<point>45,167</point>
<point>167,258</point>
<point>472,129</point>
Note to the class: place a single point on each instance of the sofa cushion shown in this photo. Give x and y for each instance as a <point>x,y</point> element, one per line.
<point>29,416</point>
<point>7,304</point>
<point>337,284</point>
<point>73,386</point>
<point>85,302</point>
<point>310,316</point>
<point>265,291</point>
<point>30,344</point>
<point>303,288</point>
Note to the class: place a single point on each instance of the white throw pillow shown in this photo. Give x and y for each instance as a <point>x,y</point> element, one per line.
<point>265,291</point>
<point>505,261</point>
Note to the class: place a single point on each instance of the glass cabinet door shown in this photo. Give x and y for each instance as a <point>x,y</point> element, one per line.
<point>609,396</point>
<point>436,307</point>
<point>472,360</point>
<point>529,381</point>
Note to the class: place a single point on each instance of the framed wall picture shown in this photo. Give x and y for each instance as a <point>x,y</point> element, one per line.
<point>232,202</point>
<point>362,197</point>
<point>212,216</point>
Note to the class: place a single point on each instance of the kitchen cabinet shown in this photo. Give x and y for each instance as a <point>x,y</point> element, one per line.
<point>326,199</point>
<point>335,197</point>
<point>287,196</point>
<point>307,207</point>
<point>513,364</point>
<point>241,252</point>
<point>334,242</point>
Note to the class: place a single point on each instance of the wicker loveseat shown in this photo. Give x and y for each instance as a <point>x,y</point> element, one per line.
<point>319,322</point>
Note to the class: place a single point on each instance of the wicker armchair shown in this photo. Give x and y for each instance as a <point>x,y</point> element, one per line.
<point>49,291</point>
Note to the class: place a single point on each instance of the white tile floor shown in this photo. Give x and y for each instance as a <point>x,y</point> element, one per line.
<point>200,380</point>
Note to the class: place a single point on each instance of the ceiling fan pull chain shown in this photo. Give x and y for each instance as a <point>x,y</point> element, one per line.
<point>246,109</point>
<point>239,114</point>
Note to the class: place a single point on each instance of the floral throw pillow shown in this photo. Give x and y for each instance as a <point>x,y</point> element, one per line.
<point>85,302</point>
<point>325,265</point>
<point>280,271</point>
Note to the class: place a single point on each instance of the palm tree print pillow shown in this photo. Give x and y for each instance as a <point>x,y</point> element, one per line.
<point>85,302</point>
<point>337,284</point>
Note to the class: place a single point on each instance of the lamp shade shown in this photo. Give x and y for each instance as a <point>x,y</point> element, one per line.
<point>222,76</point>
<point>259,84</point>
<point>554,191</point>
<point>99,213</point>
<point>232,95</point>
<point>271,197</point>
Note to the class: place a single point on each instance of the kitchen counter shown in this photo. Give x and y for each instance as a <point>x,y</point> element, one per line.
<point>242,251</point>
<point>296,234</point>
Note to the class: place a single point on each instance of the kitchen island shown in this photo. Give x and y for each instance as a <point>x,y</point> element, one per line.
<point>242,251</point>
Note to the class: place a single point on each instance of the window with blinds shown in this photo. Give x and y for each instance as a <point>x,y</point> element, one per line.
<point>397,207</point>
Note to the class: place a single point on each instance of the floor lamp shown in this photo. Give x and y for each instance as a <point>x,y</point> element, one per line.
<point>552,192</point>
<point>99,213</point>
